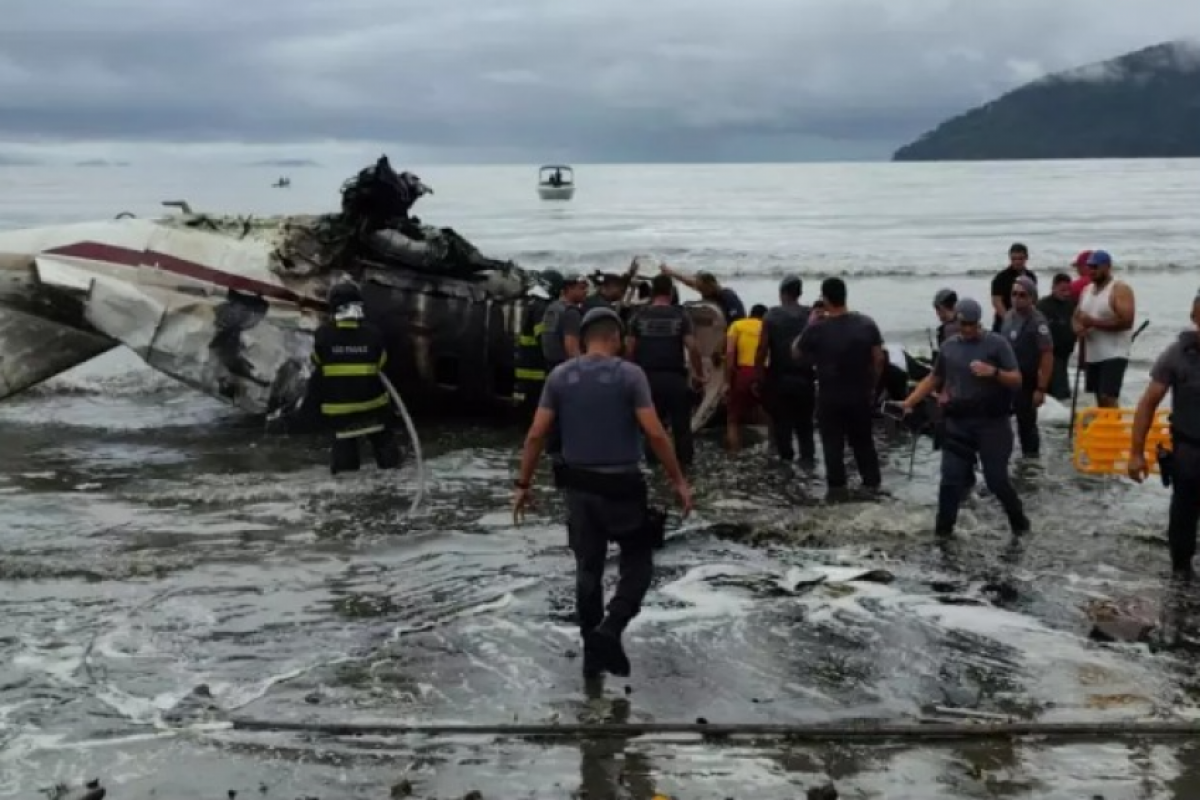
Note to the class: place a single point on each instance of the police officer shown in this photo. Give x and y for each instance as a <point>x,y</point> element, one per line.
<point>560,334</point>
<point>529,365</point>
<point>788,384</point>
<point>560,323</point>
<point>979,372</point>
<point>349,354</point>
<point>1028,333</point>
<point>601,402</point>
<point>659,336</point>
<point>1177,370</point>
<point>846,350</point>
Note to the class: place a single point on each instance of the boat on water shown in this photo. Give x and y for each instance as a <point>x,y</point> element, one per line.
<point>228,304</point>
<point>282,183</point>
<point>556,182</point>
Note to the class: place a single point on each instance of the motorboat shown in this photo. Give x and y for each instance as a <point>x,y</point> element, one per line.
<point>228,304</point>
<point>282,183</point>
<point>556,182</point>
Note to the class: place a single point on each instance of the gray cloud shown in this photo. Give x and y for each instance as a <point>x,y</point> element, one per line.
<point>583,80</point>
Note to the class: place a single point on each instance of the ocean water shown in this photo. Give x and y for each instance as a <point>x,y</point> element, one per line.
<point>153,541</point>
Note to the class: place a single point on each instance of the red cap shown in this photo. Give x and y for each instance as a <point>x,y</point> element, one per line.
<point>1082,259</point>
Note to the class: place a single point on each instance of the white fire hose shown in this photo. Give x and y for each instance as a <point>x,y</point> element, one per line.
<point>413,438</point>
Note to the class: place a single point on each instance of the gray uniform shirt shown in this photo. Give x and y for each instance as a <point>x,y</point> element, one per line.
<point>561,320</point>
<point>594,400</point>
<point>1029,336</point>
<point>1179,368</point>
<point>963,388</point>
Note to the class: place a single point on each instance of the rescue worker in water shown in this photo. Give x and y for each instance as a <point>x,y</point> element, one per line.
<point>600,403</point>
<point>1177,370</point>
<point>979,371</point>
<point>529,367</point>
<point>348,356</point>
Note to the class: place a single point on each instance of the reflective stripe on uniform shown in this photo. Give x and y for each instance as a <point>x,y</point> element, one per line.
<point>539,329</point>
<point>527,341</point>
<point>346,323</point>
<point>340,409</point>
<point>525,374</point>
<point>354,433</point>
<point>349,370</point>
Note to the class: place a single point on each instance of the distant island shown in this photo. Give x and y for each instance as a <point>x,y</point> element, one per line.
<point>18,161</point>
<point>1145,104</point>
<point>101,162</point>
<point>291,163</point>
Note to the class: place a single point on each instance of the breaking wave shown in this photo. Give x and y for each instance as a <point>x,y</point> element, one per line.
<point>743,264</point>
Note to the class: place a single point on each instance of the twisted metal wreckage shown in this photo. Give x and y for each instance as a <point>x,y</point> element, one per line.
<point>227,305</point>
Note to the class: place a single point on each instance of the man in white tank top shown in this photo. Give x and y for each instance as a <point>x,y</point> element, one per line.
<point>1104,321</point>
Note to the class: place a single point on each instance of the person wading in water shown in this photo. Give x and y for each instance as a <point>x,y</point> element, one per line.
<point>788,385</point>
<point>1058,308</point>
<point>1104,321</point>
<point>601,403</point>
<point>1177,370</point>
<point>1018,265</point>
<point>979,372</point>
<point>846,350</point>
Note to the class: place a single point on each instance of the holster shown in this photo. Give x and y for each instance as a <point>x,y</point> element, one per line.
<point>628,486</point>
<point>655,527</point>
<point>1166,465</point>
<point>623,486</point>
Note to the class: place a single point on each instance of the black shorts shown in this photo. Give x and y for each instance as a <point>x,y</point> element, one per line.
<point>1104,378</point>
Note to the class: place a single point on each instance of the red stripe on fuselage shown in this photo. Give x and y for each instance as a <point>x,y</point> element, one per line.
<point>114,254</point>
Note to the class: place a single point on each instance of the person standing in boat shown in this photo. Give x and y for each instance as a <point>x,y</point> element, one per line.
<point>348,357</point>
<point>1176,370</point>
<point>660,335</point>
<point>708,287</point>
<point>979,372</point>
<point>1058,308</point>
<point>601,403</point>
<point>789,391</point>
<point>1104,322</point>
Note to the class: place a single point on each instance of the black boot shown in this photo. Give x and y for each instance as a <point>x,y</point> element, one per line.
<point>604,641</point>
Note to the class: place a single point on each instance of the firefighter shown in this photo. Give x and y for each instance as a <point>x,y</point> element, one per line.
<point>529,363</point>
<point>349,354</point>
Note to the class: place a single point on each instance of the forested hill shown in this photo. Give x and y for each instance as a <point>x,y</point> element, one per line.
<point>1144,104</point>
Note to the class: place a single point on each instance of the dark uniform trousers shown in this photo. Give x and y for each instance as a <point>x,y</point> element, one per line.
<point>349,358</point>
<point>791,402</point>
<point>844,422</point>
<point>673,403</point>
<point>1026,413</point>
<point>1184,515</point>
<point>603,508</point>
<point>991,440</point>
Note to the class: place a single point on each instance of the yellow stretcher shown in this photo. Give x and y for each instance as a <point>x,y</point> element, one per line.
<point>1102,437</point>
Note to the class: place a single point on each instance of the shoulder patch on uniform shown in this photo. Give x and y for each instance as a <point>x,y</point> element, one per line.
<point>1044,329</point>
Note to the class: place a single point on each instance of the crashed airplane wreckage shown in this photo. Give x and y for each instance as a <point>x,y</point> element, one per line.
<point>228,305</point>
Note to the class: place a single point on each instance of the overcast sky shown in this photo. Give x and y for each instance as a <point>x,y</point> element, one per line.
<point>533,80</point>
